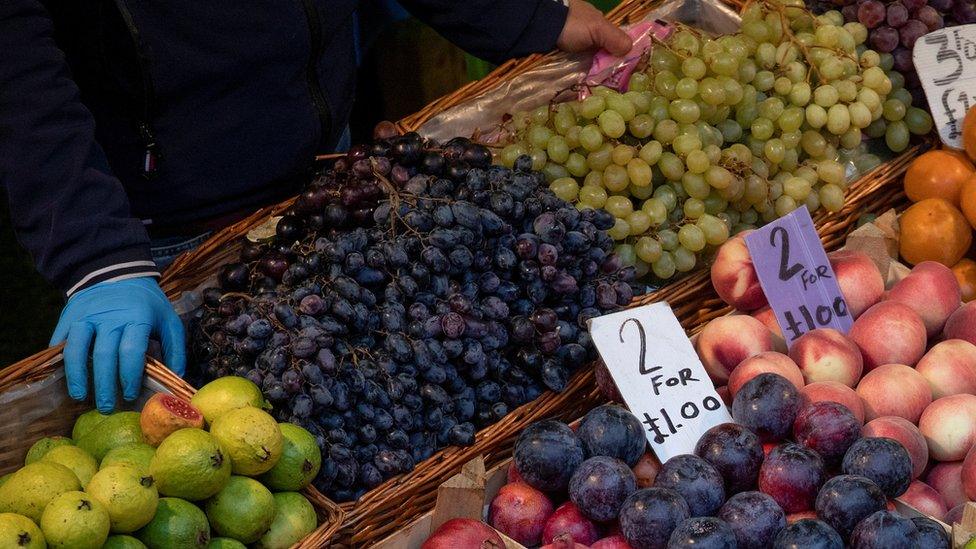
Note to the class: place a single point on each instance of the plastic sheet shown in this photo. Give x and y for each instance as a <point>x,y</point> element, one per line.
<point>556,77</point>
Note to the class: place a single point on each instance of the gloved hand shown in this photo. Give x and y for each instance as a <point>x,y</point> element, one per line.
<point>587,29</point>
<point>121,315</point>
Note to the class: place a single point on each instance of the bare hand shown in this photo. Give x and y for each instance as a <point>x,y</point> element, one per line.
<point>587,29</point>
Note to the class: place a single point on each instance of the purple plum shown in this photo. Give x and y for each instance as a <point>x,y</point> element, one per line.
<point>649,515</point>
<point>883,460</point>
<point>698,482</point>
<point>546,455</point>
<point>754,517</point>
<point>792,475</point>
<point>599,487</point>
<point>885,530</point>
<point>736,452</point>
<point>827,428</point>
<point>612,431</point>
<point>767,405</point>
<point>846,500</point>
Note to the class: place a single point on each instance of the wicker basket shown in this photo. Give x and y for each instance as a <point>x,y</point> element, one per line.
<point>34,403</point>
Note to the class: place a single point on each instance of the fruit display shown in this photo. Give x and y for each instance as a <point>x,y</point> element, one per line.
<point>720,135</point>
<point>938,225</point>
<point>176,484</point>
<point>463,294</point>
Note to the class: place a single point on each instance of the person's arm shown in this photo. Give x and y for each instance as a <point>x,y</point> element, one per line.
<point>502,29</point>
<point>67,208</point>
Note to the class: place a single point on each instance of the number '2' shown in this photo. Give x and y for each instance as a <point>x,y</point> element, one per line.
<point>785,272</point>
<point>643,343</point>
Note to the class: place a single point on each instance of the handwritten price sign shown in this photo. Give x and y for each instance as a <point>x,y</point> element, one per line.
<point>796,276</point>
<point>946,64</point>
<point>660,376</point>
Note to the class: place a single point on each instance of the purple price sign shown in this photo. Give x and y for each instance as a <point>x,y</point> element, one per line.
<point>796,276</point>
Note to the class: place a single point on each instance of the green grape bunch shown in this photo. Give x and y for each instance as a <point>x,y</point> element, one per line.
<point>721,134</point>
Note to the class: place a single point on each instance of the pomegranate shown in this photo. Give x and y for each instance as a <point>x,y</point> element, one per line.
<point>520,511</point>
<point>567,519</point>
<point>164,414</point>
<point>462,532</point>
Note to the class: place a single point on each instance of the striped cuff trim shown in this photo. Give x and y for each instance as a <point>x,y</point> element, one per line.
<point>119,271</point>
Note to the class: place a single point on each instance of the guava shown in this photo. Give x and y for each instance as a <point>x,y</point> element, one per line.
<point>31,488</point>
<point>299,462</point>
<point>190,464</point>
<point>164,414</point>
<point>116,430</point>
<point>20,532</point>
<point>5,478</point>
<point>134,454</point>
<point>75,520</point>
<point>86,422</point>
<point>225,543</point>
<point>227,393</point>
<point>177,523</point>
<point>251,437</point>
<point>43,446</point>
<point>129,496</point>
<point>243,510</point>
<point>294,519</point>
<point>79,461</point>
<point>122,541</point>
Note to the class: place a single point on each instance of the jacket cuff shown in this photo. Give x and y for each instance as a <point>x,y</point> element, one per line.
<point>121,265</point>
<point>542,30</point>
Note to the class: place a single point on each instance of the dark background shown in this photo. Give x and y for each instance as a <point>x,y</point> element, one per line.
<point>406,65</point>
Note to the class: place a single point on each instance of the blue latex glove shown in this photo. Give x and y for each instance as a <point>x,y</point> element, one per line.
<point>121,315</point>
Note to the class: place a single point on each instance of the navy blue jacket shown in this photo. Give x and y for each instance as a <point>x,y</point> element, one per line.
<point>121,114</point>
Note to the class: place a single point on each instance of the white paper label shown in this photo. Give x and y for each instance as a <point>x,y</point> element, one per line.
<point>660,376</point>
<point>944,60</point>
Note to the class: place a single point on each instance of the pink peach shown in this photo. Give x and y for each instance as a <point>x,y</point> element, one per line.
<point>946,478</point>
<point>932,291</point>
<point>768,318</point>
<point>968,474</point>
<point>734,276</point>
<point>827,355</point>
<point>925,499</point>
<point>905,432</point>
<point>949,426</point>
<point>728,340</point>
<point>859,279</point>
<point>889,333</point>
<point>894,390</point>
<point>768,362</point>
<point>950,368</point>
<point>962,323</point>
<point>832,391</point>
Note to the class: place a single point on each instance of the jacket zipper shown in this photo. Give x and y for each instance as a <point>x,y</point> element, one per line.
<point>319,101</point>
<point>151,156</point>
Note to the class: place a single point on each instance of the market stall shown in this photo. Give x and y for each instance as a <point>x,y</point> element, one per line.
<point>715,293</point>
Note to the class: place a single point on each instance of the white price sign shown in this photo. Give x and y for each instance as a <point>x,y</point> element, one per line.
<point>660,376</point>
<point>946,64</point>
